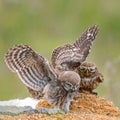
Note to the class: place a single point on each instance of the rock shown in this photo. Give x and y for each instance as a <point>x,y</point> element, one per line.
<point>13,110</point>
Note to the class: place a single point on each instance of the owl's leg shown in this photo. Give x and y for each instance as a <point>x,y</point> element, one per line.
<point>55,110</point>
<point>65,106</point>
<point>67,102</point>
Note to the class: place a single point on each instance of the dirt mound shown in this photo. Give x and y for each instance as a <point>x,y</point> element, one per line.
<point>84,107</point>
<point>88,103</point>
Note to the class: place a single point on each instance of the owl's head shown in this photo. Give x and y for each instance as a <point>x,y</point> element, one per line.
<point>87,69</point>
<point>70,80</point>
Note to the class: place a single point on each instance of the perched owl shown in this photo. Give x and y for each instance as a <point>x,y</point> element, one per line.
<point>90,77</point>
<point>41,77</point>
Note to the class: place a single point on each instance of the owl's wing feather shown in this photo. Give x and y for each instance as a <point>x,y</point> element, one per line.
<point>66,56</point>
<point>33,69</point>
<point>88,35</point>
<point>71,56</point>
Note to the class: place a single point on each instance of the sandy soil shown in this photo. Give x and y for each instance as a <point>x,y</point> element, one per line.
<point>84,107</point>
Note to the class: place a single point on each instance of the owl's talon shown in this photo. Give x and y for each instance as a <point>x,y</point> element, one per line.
<point>62,111</point>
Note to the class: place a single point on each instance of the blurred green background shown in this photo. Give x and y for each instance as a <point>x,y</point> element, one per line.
<point>46,24</point>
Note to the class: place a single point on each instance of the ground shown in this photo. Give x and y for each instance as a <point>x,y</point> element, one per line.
<point>83,107</point>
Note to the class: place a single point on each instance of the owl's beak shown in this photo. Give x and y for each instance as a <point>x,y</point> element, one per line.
<point>74,88</point>
<point>87,72</point>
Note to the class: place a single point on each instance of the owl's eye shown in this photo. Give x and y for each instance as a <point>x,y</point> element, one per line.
<point>68,85</point>
<point>82,68</point>
<point>92,69</point>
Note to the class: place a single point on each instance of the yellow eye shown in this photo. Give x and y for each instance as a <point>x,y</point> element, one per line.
<point>68,85</point>
<point>82,68</point>
<point>92,69</point>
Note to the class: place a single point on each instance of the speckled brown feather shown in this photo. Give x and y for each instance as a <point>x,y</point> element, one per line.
<point>35,94</point>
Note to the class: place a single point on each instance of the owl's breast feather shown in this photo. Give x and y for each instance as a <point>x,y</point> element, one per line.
<point>86,79</point>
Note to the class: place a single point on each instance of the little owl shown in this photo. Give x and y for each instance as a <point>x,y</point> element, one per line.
<point>90,77</point>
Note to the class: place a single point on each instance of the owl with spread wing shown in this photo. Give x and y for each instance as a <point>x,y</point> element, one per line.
<point>56,81</point>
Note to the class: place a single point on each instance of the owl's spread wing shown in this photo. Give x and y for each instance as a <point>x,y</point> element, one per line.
<point>70,56</point>
<point>33,69</point>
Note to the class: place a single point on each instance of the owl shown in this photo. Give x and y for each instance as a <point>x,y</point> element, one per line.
<point>55,81</point>
<point>61,93</point>
<point>90,77</point>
